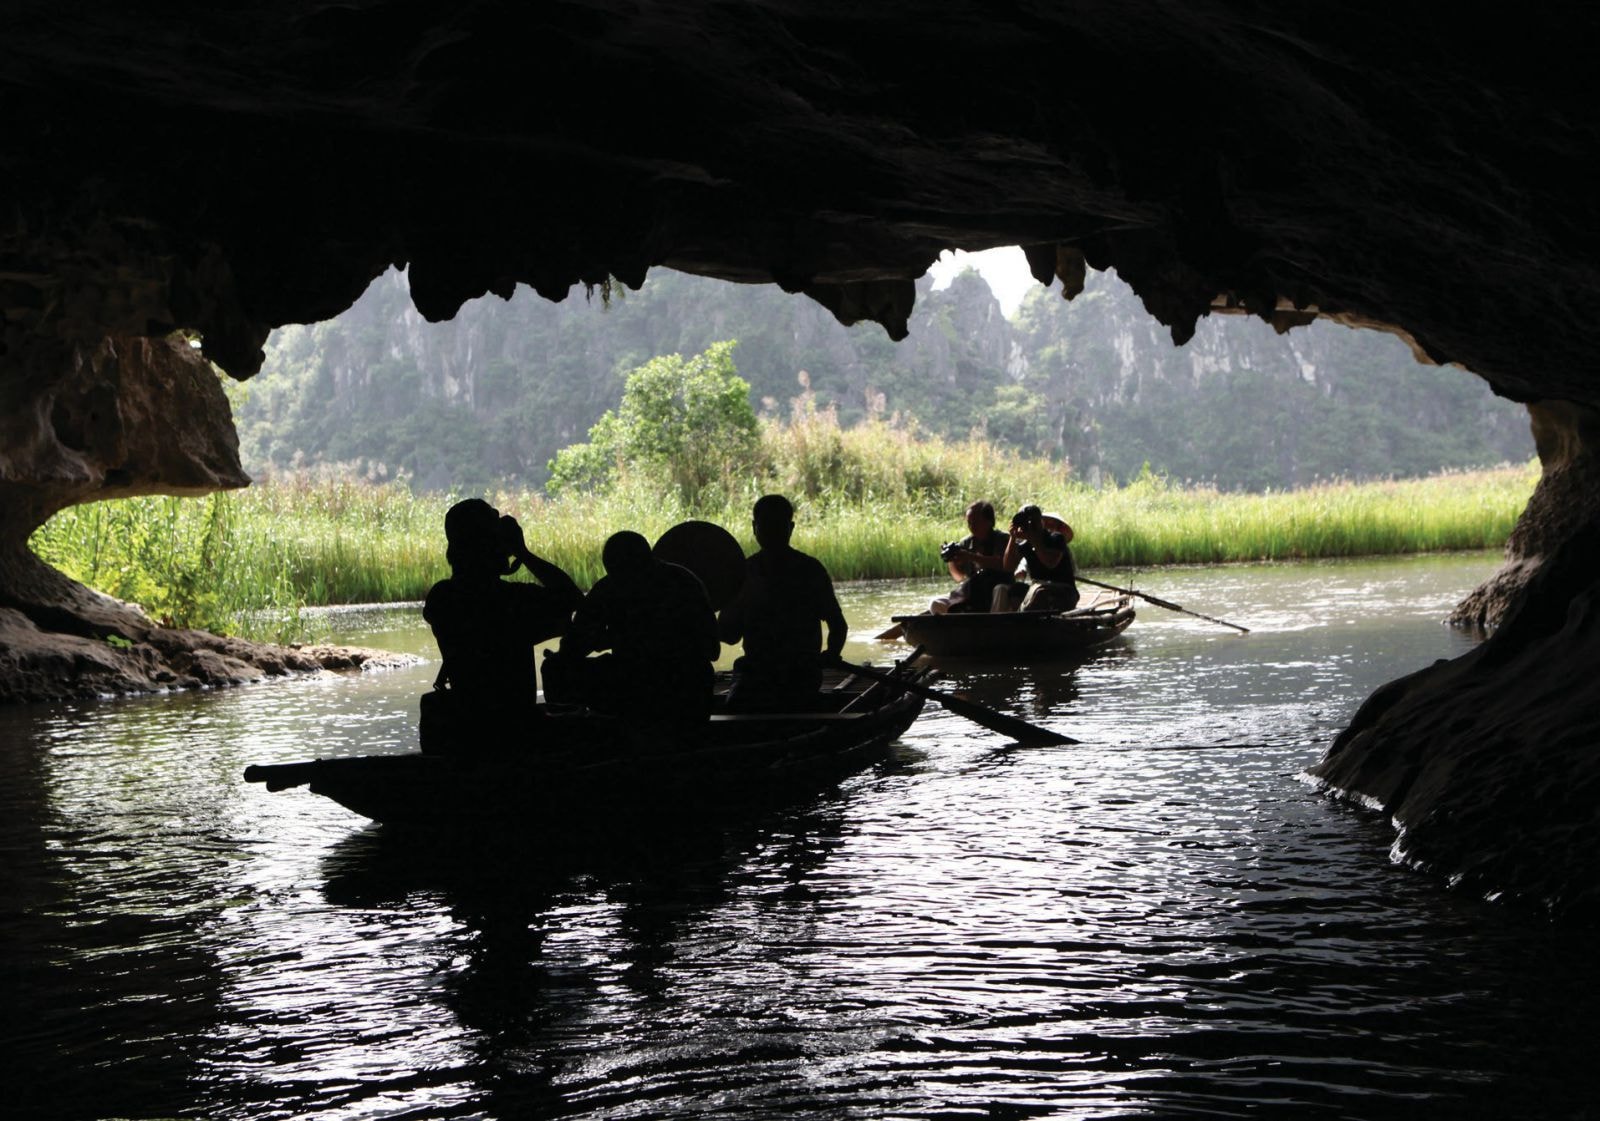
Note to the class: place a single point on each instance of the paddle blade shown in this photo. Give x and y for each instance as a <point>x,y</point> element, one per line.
<point>1029,735</point>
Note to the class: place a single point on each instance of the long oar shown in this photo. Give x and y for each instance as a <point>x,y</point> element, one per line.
<point>1170,606</point>
<point>1018,729</point>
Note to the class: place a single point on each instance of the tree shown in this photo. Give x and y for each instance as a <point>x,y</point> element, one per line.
<point>686,420</point>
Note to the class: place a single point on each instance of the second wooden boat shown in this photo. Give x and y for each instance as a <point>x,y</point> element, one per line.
<point>1018,635</point>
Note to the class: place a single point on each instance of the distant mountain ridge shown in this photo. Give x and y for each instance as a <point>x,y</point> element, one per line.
<point>491,395</point>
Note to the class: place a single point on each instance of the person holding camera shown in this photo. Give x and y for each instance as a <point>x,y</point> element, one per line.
<point>486,627</point>
<point>1036,542</point>
<point>976,563</point>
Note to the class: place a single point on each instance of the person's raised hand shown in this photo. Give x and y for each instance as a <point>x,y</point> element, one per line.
<point>511,535</point>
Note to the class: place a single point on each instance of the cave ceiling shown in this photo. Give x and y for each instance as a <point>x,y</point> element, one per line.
<point>230,168</point>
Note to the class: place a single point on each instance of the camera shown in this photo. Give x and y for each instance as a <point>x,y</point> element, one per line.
<point>948,551</point>
<point>1029,517</point>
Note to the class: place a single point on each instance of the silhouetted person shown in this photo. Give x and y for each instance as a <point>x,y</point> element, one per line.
<point>779,612</point>
<point>487,627</point>
<point>1048,557</point>
<point>658,625</point>
<point>976,563</point>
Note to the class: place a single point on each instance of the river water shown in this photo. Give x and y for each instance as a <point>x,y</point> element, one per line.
<point>1162,921</point>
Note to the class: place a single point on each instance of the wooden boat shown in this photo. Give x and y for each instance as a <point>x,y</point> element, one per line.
<point>598,774</point>
<point>1019,635</point>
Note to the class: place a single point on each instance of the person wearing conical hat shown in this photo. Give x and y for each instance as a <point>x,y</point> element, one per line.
<point>1047,555</point>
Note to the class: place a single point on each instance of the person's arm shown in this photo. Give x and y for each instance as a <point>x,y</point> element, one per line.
<point>730,620</point>
<point>702,620</point>
<point>710,641</point>
<point>1012,557</point>
<point>431,609</point>
<point>987,560</point>
<point>554,578</point>
<point>588,632</point>
<point>436,614</point>
<point>957,572</point>
<point>833,618</point>
<point>1046,548</point>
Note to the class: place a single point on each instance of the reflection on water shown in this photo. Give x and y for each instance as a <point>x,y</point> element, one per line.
<point>1161,921</point>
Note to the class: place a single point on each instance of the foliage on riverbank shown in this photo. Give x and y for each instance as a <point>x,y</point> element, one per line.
<point>873,502</point>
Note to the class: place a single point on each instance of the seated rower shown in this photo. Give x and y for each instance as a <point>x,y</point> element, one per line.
<point>976,563</point>
<point>1048,558</point>
<point>779,614</point>
<point>486,628</point>
<point>658,625</point>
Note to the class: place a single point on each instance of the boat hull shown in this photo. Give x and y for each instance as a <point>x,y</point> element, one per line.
<point>1017,635</point>
<point>601,779</point>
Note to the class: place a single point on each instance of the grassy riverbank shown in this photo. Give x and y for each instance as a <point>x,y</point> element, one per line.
<point>246,562</point>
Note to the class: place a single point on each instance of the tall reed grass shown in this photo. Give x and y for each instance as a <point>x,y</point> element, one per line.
<point>189,562</point>
<point>872,502</point>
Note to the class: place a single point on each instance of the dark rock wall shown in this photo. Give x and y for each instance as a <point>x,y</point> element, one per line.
<point>124,416</point>
<point>127,416</point>
<point>1488,764</point>
<point>236,169</point>
<point>1563,508</point>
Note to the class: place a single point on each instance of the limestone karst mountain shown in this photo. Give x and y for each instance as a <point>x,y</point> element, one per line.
<point>492,394</point>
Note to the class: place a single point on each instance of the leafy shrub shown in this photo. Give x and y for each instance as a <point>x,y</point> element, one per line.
<point>687,419</point>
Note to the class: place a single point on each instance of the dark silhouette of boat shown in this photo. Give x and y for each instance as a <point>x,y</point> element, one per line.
<point>1018,635</point>
<point>609,774</point>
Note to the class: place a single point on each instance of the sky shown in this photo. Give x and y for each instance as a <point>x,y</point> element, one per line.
<point>1006,270</point>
